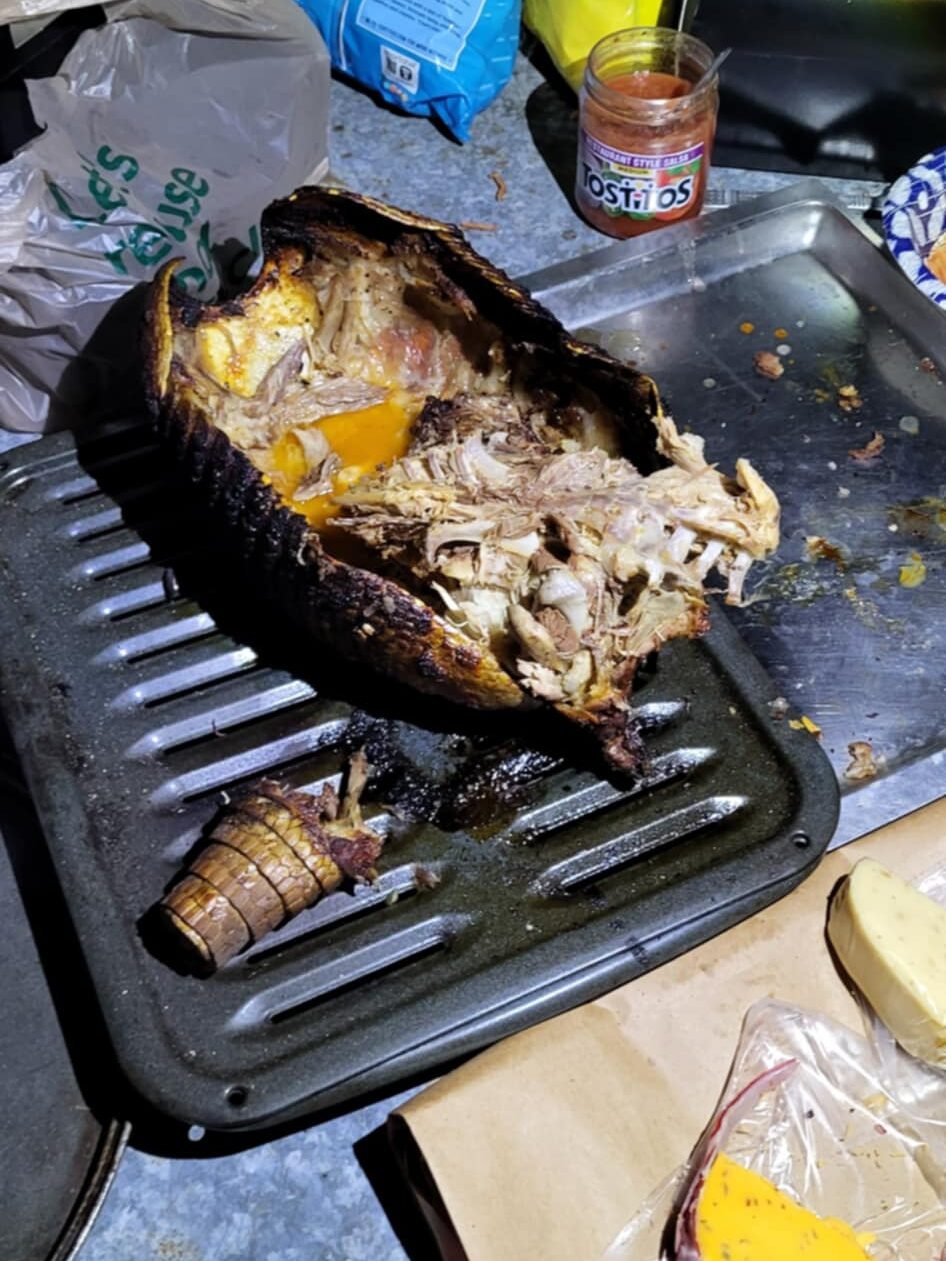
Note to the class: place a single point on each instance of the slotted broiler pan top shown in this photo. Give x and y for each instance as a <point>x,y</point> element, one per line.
<point>133,712</point>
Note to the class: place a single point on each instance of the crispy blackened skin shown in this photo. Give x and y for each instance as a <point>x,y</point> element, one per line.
<point>367,617</point>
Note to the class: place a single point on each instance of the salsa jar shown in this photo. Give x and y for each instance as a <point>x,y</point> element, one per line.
<point>647,120</point>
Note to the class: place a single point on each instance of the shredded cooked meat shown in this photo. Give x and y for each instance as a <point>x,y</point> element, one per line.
<point>511,510</point>
<point>567,563</point>
<point>321,464</point>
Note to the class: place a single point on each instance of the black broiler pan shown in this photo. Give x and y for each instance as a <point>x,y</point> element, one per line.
<point>515,883</point>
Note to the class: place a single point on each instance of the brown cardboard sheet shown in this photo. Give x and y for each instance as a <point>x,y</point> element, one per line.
<point>540,1148</point>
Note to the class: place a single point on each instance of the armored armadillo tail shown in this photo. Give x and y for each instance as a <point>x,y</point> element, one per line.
<point>270,856</point>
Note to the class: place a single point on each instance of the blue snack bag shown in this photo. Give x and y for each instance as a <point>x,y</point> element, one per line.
<point>446,58</point>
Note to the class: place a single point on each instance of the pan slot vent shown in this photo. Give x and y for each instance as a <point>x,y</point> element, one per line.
<point>82,483</point>
<point>614,855</point>
<point>219,720</point>
<point>154,595</point>
<point>126,468</point>
<point>393,953</point>
<point>218,668</point>
<point>154,520</point>
<point>157,640</point>
<point>127,556</point>
<point>95,525</point>
<point>545,820</point>
<point>132,441</point>
<point>340,908</point>
<point>115,608</point>
<point>117,561</point>
<point>75,490</point>
<point>656,715</point>
<point>228,772</point>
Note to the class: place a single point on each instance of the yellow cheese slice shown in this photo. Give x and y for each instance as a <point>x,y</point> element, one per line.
<point>742,1217</point>
<point>891,940</point>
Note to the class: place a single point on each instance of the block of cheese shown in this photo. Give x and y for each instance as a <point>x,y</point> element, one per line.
<point>742,1217</point>
<point>891,940</point>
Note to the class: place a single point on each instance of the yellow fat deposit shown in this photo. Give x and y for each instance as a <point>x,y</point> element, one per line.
<point>362,440</point>
<point>891,939</point>
<point>743,1217</point>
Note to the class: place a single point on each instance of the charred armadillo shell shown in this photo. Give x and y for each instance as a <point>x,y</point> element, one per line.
<point>331,601</point>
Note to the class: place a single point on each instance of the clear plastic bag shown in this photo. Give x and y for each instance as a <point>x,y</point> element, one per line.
<point>806,1106</point>
<point>167,131</point>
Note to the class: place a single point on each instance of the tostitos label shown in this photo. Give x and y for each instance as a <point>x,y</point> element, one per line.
<point>639,185</point>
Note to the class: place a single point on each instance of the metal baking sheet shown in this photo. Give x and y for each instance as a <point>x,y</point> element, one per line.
<point>849,645</point>
<point>134,708</point>
<point>58,1153</point>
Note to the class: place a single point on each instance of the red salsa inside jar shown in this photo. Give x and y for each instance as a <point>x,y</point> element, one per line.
<point>647,128</point>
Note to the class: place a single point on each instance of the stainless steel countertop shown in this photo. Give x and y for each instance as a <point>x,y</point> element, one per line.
<point>304,1195</point>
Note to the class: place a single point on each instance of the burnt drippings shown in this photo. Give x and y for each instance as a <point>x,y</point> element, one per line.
<point>471,782</point>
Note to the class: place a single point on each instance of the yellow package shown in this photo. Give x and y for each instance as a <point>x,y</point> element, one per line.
<point>569,29</point>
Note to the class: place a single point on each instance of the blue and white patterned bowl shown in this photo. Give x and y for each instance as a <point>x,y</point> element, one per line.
<point>914,216</point>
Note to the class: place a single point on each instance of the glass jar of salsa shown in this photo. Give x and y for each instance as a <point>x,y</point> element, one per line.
<point>647,122</point>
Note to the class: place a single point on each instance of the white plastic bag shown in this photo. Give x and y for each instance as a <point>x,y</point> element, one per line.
<point>27,10</point>
<point>168,130</point>
<point>827,1131</point>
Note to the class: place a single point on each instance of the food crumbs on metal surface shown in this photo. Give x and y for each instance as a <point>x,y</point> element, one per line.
<point>863,764</point>
<point>910,424</point>
<point>805,724</point>
<point>849,399</point>
<point>913,573</point>
<point>709,382</point>
<point>843,492</point>
<point>747,327</point>
<point>799,323</point>
<point>784,350</point>
<point>778,707</point>
<point>475,225</point>
<point>767,365</point>
<point>425,877</point>
<point>871,449</point>
<point>925,518</point>
<point>832,465</point>
<point>926,364</point>
<point>819,548</point>
<point>780,334</point>
<point>501,189</point>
